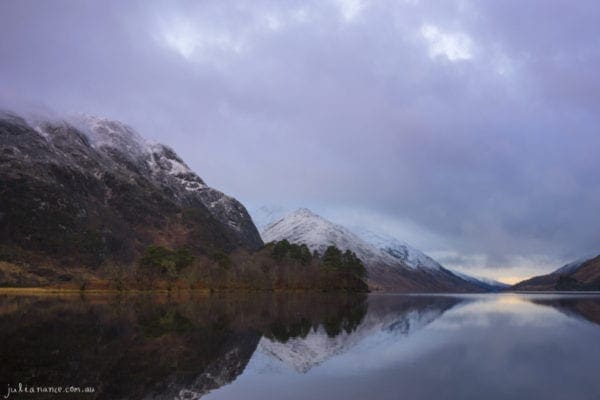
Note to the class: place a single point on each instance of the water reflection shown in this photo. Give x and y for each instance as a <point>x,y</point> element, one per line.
<point>583,306</point>
<point>503,346</point>
<point>155,346</point>
<point>298,346</point>
<point>397,316</point>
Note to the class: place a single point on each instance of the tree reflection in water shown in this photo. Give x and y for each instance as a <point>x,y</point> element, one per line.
<point>154,345</point>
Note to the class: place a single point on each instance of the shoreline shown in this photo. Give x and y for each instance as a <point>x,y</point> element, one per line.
<point>204,291</point>
<point>57,290</point>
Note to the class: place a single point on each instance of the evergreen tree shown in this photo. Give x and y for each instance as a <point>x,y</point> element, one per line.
<point>353,264</point>
<point>305,256</point>
<point>332,258</point>
<point>280,249</point>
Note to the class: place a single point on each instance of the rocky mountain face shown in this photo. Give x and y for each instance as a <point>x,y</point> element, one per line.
<point>390,269</point>
<point>579,275</point>
<point>87,190</point>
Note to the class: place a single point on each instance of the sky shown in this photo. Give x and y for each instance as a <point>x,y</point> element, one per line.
<point>469,129</point>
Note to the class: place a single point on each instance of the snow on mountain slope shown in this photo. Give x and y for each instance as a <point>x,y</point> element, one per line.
<point>398,249</point>
<point>304,226</point>
<point>391,264</point>
<point>103,132</point>
<point>119,148</point>
<point>117,139</point>
<point>571,267</point>
<point>418,260</point>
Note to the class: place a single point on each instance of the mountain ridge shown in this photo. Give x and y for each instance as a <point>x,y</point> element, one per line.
<point>580,275</point>
<point>87,190</point>
<point>386,271</point>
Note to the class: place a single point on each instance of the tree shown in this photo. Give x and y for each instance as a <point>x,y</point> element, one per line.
<point>353,264</point>
<point>280,249</point>
<point>300,253</point>
<point>332,258</point>
<point>305,255</point>
<point>159,261</point>
<point>222,259</point>
<point>117,274</point>
<point>183,258</point>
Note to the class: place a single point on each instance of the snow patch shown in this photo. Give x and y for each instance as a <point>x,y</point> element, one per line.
<point>399,249</point>
<point>304,226</point>
<point>573,266</point>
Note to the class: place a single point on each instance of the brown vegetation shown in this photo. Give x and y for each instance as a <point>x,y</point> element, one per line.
<point>277,266</point>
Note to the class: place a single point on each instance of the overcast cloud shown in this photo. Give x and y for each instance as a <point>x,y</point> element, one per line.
<point>469,128</point>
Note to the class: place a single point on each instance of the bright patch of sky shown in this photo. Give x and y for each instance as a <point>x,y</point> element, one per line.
<point>194,41</point>
<point>350,9</point>
<point>455,46</point>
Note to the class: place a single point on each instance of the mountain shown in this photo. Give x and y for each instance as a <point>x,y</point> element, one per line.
<point>402,251</point>
<point>389,271</point>
<point>304,226</point>
<point>579,275</point>
<point>571,267</point>
<point>87,190</point>
<point>416,259</point>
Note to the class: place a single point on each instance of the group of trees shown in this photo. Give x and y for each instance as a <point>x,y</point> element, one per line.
<point>297,252</point>
<point>333,258</point>
<point>160,262</point>
<point>278,265</point>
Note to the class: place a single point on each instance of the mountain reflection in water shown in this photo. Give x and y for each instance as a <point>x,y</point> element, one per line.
<point>154,346</point>
<point>297,345</point>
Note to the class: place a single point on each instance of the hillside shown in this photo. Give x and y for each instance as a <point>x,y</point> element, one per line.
<point>81,193</point>
<point>578,275</point>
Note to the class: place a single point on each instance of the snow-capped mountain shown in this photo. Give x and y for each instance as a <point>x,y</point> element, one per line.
<point>160,163</point>
<point>395,267</point>
<point>87,190</point>
<point>304,226</point>
<point>417,259</point>
<point>401,250</point>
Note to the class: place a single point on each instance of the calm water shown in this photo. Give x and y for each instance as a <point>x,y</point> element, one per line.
<point>505,346</point>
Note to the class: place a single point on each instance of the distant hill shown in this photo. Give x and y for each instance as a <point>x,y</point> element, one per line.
<point>579,275</point>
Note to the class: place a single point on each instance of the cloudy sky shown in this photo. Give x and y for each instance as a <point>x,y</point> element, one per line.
<point>470,129</point>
